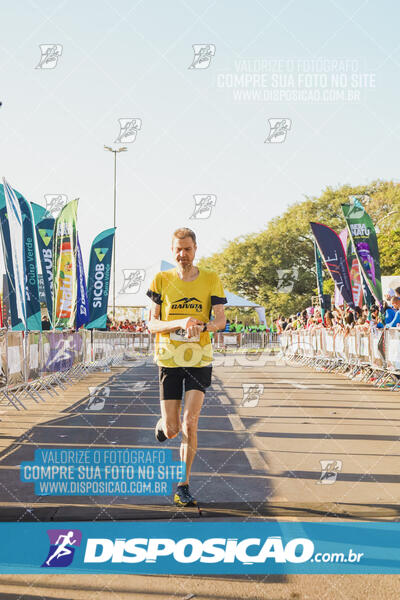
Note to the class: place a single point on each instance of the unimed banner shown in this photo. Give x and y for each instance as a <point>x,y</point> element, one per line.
<point>64,267</point>
<point>33,314</point>
<point>44,224</point>
<point>9,294</point>
<point>99,278</point>
<point>363,236</point>
<point>334,255</point>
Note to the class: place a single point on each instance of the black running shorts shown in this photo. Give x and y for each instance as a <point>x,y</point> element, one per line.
<point>171,380</point>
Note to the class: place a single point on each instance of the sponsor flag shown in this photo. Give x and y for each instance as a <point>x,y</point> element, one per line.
<point>82,305</point>
<point>338,296</point>
<point>99,278</point>
<point>44,225</point>
<point>320,278</point>
<point>354,270</point>
<point>355,275</point>
<point>33,312</point>
<point>332,251</point>
<point>9,294</point>
<point>363,235</point>
<point>13,236</point>
<point>64,267</point>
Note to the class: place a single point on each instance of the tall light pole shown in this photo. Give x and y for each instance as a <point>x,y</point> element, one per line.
<point>123,149</point>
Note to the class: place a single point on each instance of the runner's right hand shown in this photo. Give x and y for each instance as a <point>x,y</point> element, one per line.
<point>193,327</point>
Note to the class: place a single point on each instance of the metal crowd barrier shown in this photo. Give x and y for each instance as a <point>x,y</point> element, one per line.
<point>372,356</point>
<point>37,362</point>
<point>254,339</point>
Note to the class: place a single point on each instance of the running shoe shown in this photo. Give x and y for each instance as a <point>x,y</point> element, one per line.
<point>183,497</point>
<point>159,432</point>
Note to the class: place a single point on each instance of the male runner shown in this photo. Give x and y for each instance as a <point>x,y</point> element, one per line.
<point>182,299</point>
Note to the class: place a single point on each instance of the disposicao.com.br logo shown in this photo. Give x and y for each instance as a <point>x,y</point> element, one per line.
<point>209,548</point>
<point>247,551</point>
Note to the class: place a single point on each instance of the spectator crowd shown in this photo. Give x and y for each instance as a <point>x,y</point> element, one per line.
<point>126,325</point>
<point>239,327</point>
<point>344,319</point>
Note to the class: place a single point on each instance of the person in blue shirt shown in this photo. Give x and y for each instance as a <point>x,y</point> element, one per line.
<point>396,316</point>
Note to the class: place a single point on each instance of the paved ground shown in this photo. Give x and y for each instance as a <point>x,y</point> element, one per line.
<point>259,457</point>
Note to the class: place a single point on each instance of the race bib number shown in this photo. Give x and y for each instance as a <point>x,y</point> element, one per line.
<point>180,336</point>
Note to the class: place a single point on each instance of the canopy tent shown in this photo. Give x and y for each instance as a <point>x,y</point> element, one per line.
<point>235,300</point>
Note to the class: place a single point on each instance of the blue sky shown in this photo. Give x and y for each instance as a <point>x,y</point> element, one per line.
<point>198,136</point>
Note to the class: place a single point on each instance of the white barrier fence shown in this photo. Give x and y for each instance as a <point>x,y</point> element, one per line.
<point>253,339</point>
<point>33,362</point>
<point>373,356</point>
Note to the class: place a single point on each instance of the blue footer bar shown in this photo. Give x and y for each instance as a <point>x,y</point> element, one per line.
<point>202,548</point>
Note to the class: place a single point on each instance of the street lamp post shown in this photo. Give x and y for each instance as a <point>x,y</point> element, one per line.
<point>123,149</point>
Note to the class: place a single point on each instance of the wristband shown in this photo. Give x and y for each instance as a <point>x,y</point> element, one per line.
<point>205,327</point>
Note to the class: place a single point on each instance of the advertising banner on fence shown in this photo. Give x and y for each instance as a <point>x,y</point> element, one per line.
<point>82,305</point>
<point>44,225</point>
<point>331,249</point>
<point>99,278</point>
<point>64,267</point>
<point>13,236</point>
<point>33,314</point>
<point>363,235</point>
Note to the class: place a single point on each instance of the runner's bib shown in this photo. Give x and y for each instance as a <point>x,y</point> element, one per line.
<point>180,336</point>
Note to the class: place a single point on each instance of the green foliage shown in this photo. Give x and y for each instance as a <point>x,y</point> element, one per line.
<point>249,265</point>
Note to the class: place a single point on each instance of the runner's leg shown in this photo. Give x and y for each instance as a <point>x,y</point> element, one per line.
<point>191,412</point>
<point>170,412</point>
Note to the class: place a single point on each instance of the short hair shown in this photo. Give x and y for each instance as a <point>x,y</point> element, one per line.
<point>183,232</point>
<point>397,290</point>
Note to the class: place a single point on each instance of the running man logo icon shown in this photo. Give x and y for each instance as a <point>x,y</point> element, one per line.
<point>203,204</point>
<point>54,204</point>
<point>138,386</point>
<point>133,279</point>
<point>128,129</point>
<point>97,399</point>
<point>251,394</point>
<point>50,53</point>
<point>329,471</point>
<point>203,54</point>
<point>287,279</point>
<point>356,208</point>
<point>62,547</point>
<point>278,129</point>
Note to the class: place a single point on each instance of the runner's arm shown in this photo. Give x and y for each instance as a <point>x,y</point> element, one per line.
<point>157,326</point>
<point>220,319</point>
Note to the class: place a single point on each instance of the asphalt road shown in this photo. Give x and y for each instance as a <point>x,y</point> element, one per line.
<point>259,458</point>
<point>259,455</point>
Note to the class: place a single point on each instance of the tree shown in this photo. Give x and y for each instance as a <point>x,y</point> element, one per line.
<point>275,267</point>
